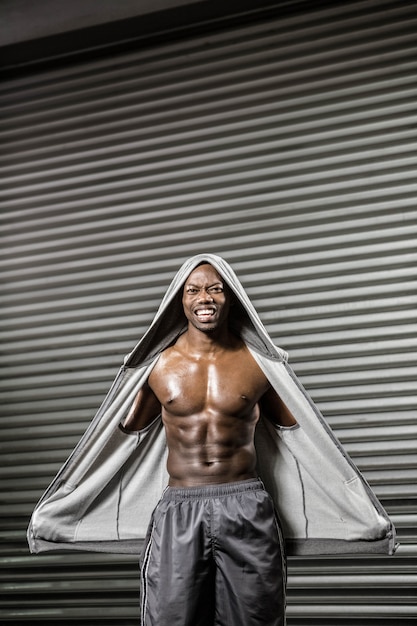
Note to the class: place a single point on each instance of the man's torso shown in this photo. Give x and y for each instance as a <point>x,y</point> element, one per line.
<point>210,410</point>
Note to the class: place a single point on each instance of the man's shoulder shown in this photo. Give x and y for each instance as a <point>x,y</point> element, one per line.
<point>169,354</point>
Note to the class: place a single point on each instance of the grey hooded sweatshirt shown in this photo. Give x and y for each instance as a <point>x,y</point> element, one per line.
<point>103,496</point>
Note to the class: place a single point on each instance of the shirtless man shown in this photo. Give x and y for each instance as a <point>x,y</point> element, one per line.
<point>213,554</point>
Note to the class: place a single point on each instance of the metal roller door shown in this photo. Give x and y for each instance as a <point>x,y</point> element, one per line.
<point>288,147</point>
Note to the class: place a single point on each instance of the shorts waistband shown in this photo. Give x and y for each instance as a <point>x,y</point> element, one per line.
<point>213,491</point>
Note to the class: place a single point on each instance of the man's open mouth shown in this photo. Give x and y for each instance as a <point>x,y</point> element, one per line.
<point>205,313</point>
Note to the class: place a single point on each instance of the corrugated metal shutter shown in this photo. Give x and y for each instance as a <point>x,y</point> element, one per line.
<point>289,147</point>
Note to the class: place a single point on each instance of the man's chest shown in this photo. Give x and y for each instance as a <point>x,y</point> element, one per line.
<point>229,386</point>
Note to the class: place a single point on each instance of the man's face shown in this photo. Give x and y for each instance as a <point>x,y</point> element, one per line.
<point>205,299</point>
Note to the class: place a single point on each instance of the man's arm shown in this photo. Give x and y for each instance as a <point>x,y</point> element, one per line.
<point>143,410</point>
<point>275,410</point>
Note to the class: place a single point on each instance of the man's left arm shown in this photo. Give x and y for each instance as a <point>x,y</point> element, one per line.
<point>275,410</point>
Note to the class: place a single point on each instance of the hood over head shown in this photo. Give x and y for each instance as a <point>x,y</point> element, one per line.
<point>170,321</point>
<point>103,496</point>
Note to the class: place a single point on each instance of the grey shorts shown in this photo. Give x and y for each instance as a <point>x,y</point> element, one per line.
<point>214,557</point>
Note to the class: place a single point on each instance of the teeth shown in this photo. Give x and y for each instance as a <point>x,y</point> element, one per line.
<point>205,311</point>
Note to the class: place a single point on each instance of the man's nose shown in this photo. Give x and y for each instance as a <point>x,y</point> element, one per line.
<point>205,296</point>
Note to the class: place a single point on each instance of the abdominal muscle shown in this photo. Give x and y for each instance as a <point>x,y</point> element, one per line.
<point>210,448</point>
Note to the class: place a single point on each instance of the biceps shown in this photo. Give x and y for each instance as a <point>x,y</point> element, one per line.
<point>143,411</point>
<point>275,410</point>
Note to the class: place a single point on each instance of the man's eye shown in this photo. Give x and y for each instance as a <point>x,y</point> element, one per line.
<point>191,290</point>
<point>217,290</point>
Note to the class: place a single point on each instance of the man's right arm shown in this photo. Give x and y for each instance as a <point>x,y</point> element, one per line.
<point>145,408</point>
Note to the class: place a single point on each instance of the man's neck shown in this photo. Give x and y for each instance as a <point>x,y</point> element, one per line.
<point>208,343</point>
